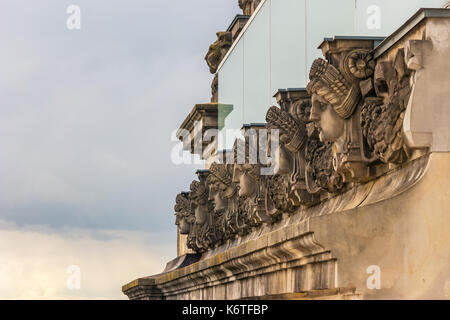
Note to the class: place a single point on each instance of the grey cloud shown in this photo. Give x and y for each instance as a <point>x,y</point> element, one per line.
<point>86,116</point>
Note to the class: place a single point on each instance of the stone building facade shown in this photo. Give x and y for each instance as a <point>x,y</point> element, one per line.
<point>358,206</point>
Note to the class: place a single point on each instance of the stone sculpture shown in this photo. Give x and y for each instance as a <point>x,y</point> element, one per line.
<point>214,57</point>
<point>247,175</point>
<point>248,6</point>
<point>204,234</point>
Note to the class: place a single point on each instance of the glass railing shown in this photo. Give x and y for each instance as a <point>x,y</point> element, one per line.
<point>280,43</point>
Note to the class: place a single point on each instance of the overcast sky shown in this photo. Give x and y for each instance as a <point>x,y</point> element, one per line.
<point>86,118</point>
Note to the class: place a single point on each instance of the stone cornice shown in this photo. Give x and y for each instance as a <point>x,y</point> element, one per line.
<point>287,245</point>
<point>291,247</point>
<point>210,115</point>
<point>343,43</point>
<point>237,25</point>
<point>205,112</point>
<point>408,26</point>
<point>291,94</point>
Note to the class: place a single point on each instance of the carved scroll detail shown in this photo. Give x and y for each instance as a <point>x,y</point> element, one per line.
<point>382,117</point>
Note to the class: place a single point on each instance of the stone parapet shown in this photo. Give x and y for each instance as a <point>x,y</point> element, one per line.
<point>329,247</point>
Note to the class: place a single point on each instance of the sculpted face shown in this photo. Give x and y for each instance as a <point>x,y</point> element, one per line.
<point>200,214</point>
<point>183,213</point>
<point>216,194</point>
<point>285,161</point>
<point>184,226</point>
<point>328,122</point>
<point>247,185</point>
<point>220,202</point>
<point>284,158</point>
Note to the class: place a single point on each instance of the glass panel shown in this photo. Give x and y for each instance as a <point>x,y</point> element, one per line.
<point>288,55</point>
<point>381,17</point>
<point>231,91</point>
<point>326,18</point>
<point>257,95</point>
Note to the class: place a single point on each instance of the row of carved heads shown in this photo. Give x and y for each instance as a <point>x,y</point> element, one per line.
<point>344,129</point>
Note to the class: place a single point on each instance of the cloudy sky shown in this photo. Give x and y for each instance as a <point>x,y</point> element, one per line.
<point>86,118</point>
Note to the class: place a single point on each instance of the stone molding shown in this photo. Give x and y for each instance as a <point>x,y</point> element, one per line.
<point>206,115</point>
<point>288,247</point>
<point>292,248</point>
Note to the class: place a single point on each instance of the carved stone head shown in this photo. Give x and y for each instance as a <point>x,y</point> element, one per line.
<point>287,190</point>
<point>185,217</point>
<point>251,184</point>
<point>335,91</point>
<point>218,50</point>
<point>333,99</point>
<point>221,187</point>
<point>245,174</point>
<point>199,197</point>
<point>292,137</point>
<point>335,88</point>
<point>204,234</point>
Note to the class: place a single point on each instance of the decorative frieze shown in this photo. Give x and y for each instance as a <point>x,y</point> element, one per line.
<point>237,25</point>
<point>345,128</point>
